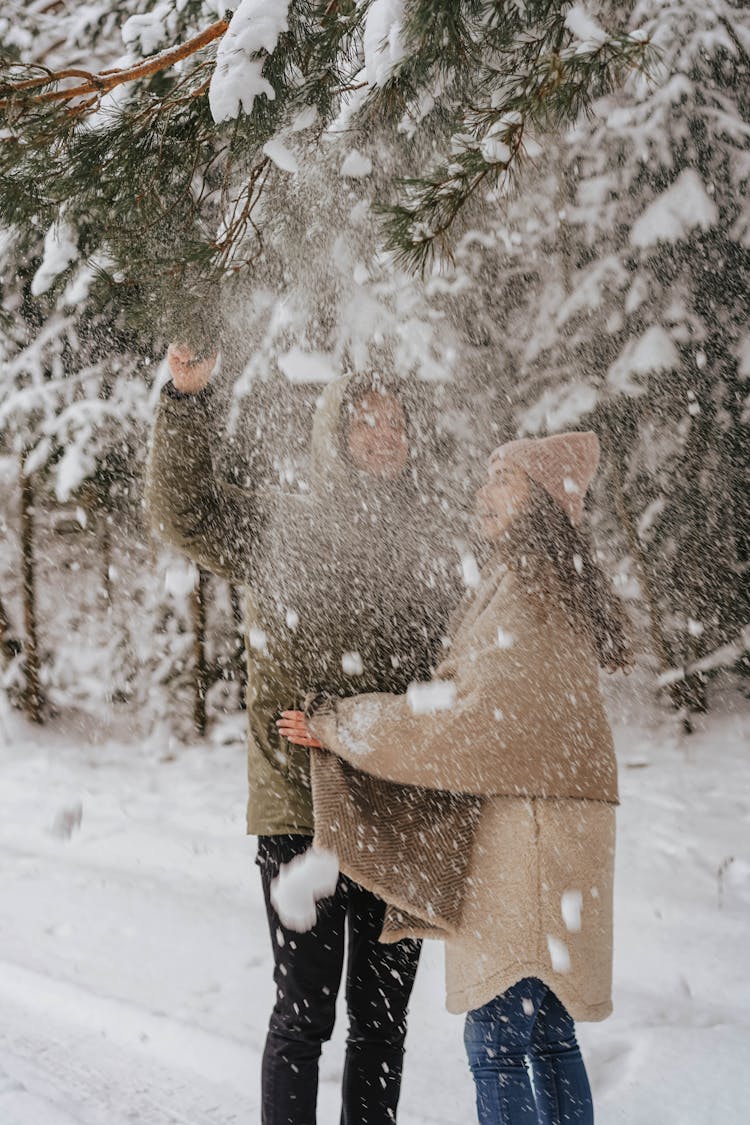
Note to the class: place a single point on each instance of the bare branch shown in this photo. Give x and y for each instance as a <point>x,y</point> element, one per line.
<point>108,79</point>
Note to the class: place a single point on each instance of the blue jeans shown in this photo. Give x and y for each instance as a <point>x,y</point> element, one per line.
<point>525,1060</point>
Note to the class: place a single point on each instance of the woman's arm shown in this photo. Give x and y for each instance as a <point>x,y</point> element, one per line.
<point>524,719</point>
<point>457,732</point>
<point>452,734</point>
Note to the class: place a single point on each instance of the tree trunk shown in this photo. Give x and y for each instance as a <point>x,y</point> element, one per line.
<point>200,670</point>
<point>241,664</point>
<point>105,539</point>
<point>564,200</point>
<point>32,693</point>
<point>8,643</point>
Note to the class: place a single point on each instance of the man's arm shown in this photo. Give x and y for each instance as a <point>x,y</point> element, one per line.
<point>213,522</point>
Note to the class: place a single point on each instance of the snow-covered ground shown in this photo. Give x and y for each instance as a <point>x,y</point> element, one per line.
<point>135,975</point>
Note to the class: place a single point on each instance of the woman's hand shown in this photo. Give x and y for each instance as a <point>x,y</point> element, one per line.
<point>293,726</point>
<point>190,373</point>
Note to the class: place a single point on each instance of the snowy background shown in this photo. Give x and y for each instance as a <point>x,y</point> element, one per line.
<point>611,292</point>
<point>135,968</point>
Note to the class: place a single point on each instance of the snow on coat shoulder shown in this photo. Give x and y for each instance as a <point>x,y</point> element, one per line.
<point>361,719</point>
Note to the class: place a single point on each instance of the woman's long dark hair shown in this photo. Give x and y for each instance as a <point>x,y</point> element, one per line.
<point>542,539</point>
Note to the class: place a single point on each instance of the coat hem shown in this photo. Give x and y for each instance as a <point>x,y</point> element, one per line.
<point>478,993</point>
<point>277,828</point>
<point>277,817</point>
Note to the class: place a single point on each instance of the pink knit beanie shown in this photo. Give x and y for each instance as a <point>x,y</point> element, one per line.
<point>563,464</point>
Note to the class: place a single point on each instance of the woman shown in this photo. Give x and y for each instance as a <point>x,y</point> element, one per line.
<point>515,869</point>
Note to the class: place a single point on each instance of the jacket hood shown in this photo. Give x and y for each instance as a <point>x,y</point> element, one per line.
<point>328,468</point>
<point>367,566</point>
<point>332,470</point>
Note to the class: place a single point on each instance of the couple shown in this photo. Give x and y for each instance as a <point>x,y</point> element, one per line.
<point>484,799</point>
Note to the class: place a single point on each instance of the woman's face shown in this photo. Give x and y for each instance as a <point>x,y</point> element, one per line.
<point>376,435</point>
<point>505,494</point>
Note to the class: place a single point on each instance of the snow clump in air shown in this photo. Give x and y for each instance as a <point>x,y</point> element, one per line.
<point>571,905</point>
<point>257,638</point>
<point>237,79</point>
<point>558,954</point>
<point>356,166</point>
<point>304,119</point>
<point>180,578</point>
<point>351,664</point>
<point>504,638</point>
<point>300,366</point>
<point>470,570</point>
<point>559,408</point>
<point>282,156</point>
<point>301,884</point>
<point>426,699</point>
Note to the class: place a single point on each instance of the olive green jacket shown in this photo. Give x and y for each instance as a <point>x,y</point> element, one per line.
<point>216,524</point>
<point>289,547</point>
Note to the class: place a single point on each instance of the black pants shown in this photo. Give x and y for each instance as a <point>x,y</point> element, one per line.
<point>308,969</point>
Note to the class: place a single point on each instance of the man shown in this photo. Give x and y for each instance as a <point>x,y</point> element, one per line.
<point>350,580</point>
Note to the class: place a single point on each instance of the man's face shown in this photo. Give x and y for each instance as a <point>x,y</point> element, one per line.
<point>376,435</point>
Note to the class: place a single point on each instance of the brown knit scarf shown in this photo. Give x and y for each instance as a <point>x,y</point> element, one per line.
<point>373,825</point>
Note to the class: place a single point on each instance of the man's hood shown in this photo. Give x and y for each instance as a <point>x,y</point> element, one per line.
<point>367,566</point>
<point>329,470</point>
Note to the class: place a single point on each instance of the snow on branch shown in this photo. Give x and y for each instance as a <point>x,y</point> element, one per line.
<point>106,80</point>
<point>676,212</point>
<point>556,76</point>
<point>237,79</point>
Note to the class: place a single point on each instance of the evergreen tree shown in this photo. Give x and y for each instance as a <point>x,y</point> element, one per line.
<point>640,324</point>
<point>608,291</point>
<point>160,163</point>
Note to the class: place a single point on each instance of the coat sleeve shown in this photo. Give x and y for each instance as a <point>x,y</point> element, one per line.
<point>212,521</point>
<point>460,732</point>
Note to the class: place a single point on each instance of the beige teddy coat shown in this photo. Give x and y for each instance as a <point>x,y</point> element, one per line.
<point>515,719</point>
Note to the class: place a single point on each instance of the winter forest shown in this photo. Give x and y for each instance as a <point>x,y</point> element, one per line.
<point>520,219</point>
